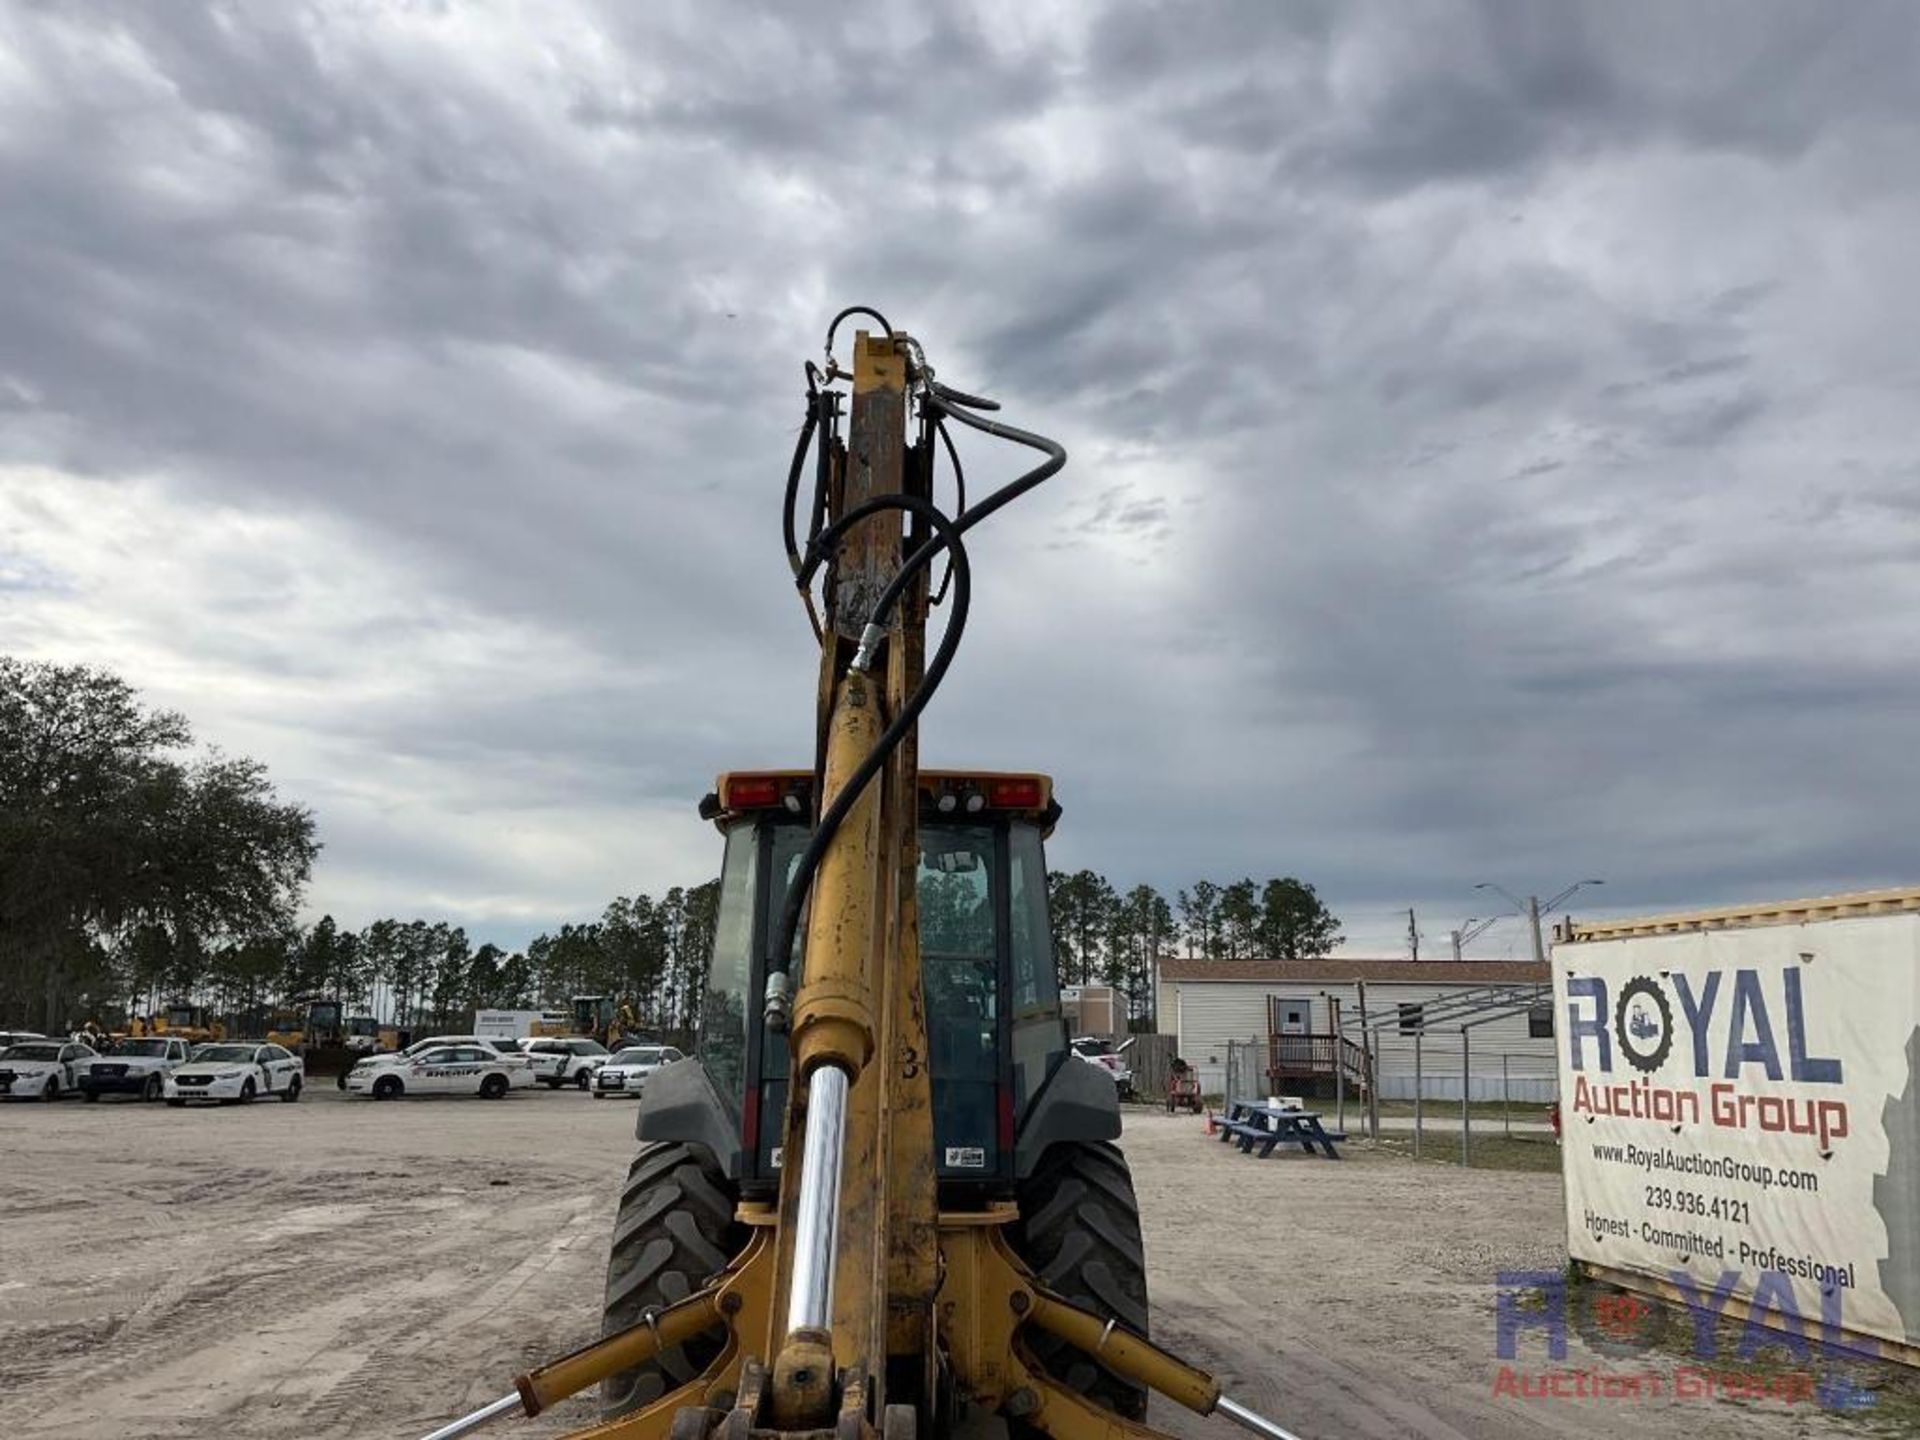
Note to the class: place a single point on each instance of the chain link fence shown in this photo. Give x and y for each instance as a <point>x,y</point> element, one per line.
<point>1439,1092</point>
<point>1246,1070</point>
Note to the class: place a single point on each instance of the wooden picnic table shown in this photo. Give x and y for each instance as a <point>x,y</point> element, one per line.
<point>1254,1122</point>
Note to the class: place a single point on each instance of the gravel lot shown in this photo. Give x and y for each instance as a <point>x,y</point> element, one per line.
<point>342,1269</point>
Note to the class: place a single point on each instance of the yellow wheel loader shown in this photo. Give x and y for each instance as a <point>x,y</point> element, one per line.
<point>181,1021</point>
<point>307,1020</point>
<point>882,1194</point>
<point>609,1019</point>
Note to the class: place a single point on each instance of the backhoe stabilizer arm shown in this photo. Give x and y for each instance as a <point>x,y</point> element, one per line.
<point>989,1294</point>
<point>984,1278</point>
<point>1068,1415</point>
<point>556,1380</point>
<point>540,1389</point>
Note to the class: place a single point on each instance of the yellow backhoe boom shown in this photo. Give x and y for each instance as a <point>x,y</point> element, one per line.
<point>862,1307</point>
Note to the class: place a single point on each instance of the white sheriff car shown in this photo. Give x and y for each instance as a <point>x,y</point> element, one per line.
<point>566,1060</point>
<point>138,1065</point>
<point>42,1069</point>
<point>229,1072</point>
<point>509,1048</point>
<point>435,1042</point>
<point>461,1069</point>
<point>626,1073</point>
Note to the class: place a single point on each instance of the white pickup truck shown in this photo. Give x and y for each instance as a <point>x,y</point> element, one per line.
<point>138,1065</point>
<point>1110,1058</point>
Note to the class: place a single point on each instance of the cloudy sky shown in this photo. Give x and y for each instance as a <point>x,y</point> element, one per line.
<point>1493,426</point>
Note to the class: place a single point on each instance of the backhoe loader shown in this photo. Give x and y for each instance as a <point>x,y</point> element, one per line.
<point>882,1195</point>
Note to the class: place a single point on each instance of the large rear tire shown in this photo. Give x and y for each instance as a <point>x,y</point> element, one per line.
<point>675,1228</point>
<point>1080,1231</point>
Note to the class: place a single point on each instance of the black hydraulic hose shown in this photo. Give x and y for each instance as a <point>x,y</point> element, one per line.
<point>959,501</point>
<point>780,959</point>
<point>1012,490</point>
<point>959,471</point>
<point>942,402</point>
<point>828,403</point>
<point>867,310</point>
<point>960,397</point>
<point>947,402</point>
<point>948,539</point>
<point>793,481</point>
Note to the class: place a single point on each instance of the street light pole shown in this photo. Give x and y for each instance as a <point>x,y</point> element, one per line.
<point>1471,930</point>
<point>1531,908</point>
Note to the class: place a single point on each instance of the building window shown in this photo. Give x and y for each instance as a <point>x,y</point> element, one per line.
<point>1412,1019</point>
<point>1540,1021</point>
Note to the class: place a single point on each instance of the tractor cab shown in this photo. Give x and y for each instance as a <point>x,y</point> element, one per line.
<point>365,1034</point>
<point>995,1035</point>
<point>307,1022</point>
<point>593,1015</point>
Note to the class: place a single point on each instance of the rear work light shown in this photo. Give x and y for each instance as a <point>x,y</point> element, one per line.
<point>752,792</point>
<point>1021,794</point>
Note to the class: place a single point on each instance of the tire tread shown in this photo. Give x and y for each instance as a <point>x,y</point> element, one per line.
<point>675,1228</point>
<point>1079,1229</point>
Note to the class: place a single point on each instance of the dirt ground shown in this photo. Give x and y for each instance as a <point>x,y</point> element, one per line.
<point>340,1269</point>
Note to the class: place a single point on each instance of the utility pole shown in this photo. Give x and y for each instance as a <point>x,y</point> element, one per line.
<point>1471,930</point>
<point>1366,1063</point>
<point>1531,908</point>
<point>1413,934</point>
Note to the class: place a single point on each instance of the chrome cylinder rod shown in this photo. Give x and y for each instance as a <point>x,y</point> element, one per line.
<point>816,1223</point>
<point>1258,1424</point>
<point>478,1418</point>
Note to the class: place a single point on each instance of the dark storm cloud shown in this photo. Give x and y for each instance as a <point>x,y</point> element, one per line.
<point>1491,423</point>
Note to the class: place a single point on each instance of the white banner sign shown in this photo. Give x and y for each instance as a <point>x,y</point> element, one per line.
<point>1740,1115</point>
